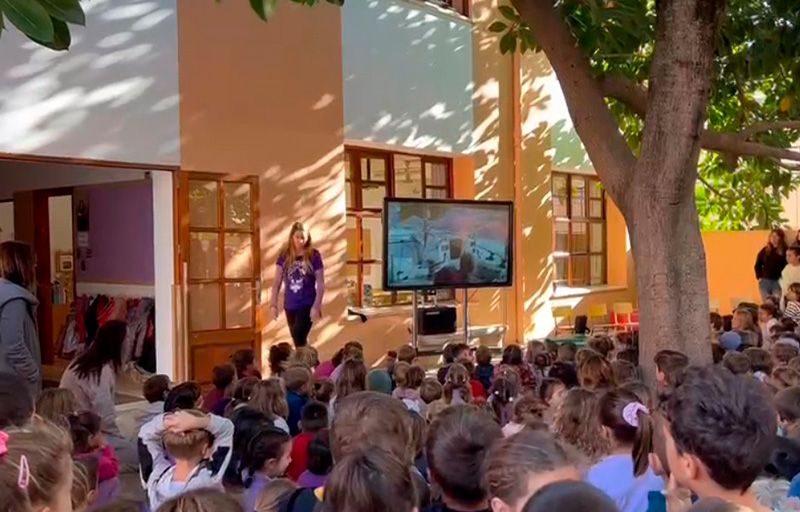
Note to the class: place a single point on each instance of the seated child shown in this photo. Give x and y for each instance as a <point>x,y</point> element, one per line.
<point>84,484</point>
<point>55,404</point>
<point>737,363</point>
<point>409,379</point>
<point>625,475</point>
<point>313,419</point>
<point>276,496</point>
<point>453,353</point>
<point>484,370</point>
<point>325,368</point>
<point>569,496</point>
<point>320,462</point>
<point>370,481</point>
<point>502,397</point>
<point>537,460</point>
<point>784,377</point>
<point>154,390</point>
<point>298,383</point>
<point>792,298</point>
<point>595,373</point>
<point>625,372</point>
<point>577,424</point>
<point>268,454</point>
<point>247,364</point>
<point>720,435</point>
<point>760,363</point>
<point>603,345</point>
<point>323,390</point>
<point>551,394</point>
<point>185,450</point>
<point>670,365</point>
<point>183,397</point>
<point>406,354</point>
<point>787,403</point>
<point>89,441</point>
<point>767,319</point>
<point>199,500</point>
<point>783,352</point>
<point>566,353</point>
<point>477,390</point>
<point>223,376</point>
<point>430,390</point>
<point>458,441</point>
<point>512,359</point>
<point>528,412</point>
<point>269,397</point>
<point>567,373</point>
<point>456,390</point>
<point>279,355</point>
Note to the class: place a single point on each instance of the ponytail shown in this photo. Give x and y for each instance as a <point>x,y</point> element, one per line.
<point>630,423</point>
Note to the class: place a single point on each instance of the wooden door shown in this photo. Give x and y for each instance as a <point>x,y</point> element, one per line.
<point>220,268</point>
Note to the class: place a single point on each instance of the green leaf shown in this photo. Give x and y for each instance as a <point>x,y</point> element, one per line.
<point>61,37</point>
<point>508,43</point>
<point>30,18</point>
<point>497,27</point>
<point>508,12</point>
<point>65,10</point>
<point>264,8</point>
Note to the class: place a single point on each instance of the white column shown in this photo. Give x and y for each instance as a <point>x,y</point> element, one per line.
<point>164,254</point>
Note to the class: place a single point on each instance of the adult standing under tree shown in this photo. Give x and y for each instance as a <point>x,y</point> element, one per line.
<point>770,263</point>
<point>300,266</point>
<point>20,353</point>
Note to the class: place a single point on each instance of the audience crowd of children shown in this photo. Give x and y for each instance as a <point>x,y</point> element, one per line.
<point>545,427</point>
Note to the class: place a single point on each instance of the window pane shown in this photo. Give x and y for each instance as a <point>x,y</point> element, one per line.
<point>352,285</point>
<point>238,305</point>
<point>598,275</point>
<point>238,255</point>
<point>204,307</point>
<point>373,169</point>
<point>580,270</point>
<point>372,195</point>
<point>580,238</point>
<point>436,193</point>
<point>560,206</point>
<point>352,239</point>
<point>561,268</point>
<point>373,293</point>
<point>436,174</point>
<point>238,206</point>
<point>578,197</point>
<point>560,185</point>
<point>595,189</point>
<point>203,256</point>
<point>372,241</point>
<point>562,236</point>
<point>596,237</point>
<point>596,208</point>
<point>407,176</point>
<point>203,204</point>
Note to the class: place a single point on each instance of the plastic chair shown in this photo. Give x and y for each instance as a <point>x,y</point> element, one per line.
<point>598,316</point>
<point>561,313</point>
<point>623,314</point>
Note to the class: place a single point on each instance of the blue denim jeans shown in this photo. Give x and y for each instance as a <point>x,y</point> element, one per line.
<point>769,288</point>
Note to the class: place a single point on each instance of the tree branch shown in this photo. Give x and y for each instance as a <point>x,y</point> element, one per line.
<point>635,98</point>
<point>713,189</point>
<point>598,130</point>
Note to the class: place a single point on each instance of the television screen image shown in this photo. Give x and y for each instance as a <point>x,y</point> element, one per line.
<point>447,244</point>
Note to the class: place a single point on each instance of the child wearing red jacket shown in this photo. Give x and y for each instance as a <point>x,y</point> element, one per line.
<point>88,441</point>
<point>313,418</point>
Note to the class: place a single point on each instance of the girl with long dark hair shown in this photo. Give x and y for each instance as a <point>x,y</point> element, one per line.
<point>300,267</point>
<point>770,262</point>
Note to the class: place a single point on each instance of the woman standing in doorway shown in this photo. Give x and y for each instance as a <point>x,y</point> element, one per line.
<point>300,267</point>
<point>20,353</point>
<point>770,263</point>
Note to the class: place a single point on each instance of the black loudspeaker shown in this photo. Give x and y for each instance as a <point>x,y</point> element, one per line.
<point>436,320</point>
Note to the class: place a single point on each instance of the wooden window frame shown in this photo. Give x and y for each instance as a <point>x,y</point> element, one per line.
<point>588,220</point>
<point>463,9</point>
<point>356,210</point>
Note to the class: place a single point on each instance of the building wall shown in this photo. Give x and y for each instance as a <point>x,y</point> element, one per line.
<point>731,258</point>
<point>407,75</point>
<point>112,96</point>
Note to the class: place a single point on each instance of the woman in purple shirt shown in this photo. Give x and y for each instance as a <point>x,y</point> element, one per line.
<point>300,268</point>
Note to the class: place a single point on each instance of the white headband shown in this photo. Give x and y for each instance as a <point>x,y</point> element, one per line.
<point>630,413</point>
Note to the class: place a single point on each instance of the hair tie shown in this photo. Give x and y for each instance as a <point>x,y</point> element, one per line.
<point>630,413</point>
<point>3,443</point>
<point>24,477</point>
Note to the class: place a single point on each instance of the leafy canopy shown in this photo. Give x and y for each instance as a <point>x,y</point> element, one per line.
<point>756,80</point>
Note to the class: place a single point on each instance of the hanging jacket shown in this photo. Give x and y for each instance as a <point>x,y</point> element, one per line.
<point>20,353</point>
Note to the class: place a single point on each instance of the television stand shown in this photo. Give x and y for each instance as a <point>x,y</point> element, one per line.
<point>414,327</point>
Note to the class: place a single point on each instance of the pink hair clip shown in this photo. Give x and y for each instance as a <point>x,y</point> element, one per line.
<point>24,477</point>
<point>3,443</point>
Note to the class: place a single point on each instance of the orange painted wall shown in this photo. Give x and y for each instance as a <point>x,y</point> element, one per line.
<point>730,258</point>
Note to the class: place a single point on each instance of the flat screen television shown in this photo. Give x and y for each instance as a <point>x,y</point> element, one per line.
<point>432,244</point>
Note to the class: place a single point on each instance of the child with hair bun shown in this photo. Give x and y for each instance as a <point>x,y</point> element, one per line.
<point>457,390</point>
<point>88,441</point>
<point>35,469</point>
<point>409,379</point>
<point>267,457</point>
<point>625,474</point>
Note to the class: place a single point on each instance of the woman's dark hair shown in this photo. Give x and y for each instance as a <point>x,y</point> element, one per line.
<point>16,403</point>
<point>512,355</point>
<point>727,323</point>
<point>82,427</point>
<point>183,397</point>
<point>265,444</point>
<point>566,373</point>
<point>716,321</point>
<point>769,308</point>
<point>629,422</point>
<point>105,349</point>
<point>278,356</point>
<point>570,497</point>
<point>338,357</point>
<point>781,247</point>
<point>320,460</point>
<point>502,395</point>
<point>246,422</point>
<point>17,264</point>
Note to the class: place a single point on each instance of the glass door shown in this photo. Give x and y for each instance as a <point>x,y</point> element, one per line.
<point>220,267</point>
